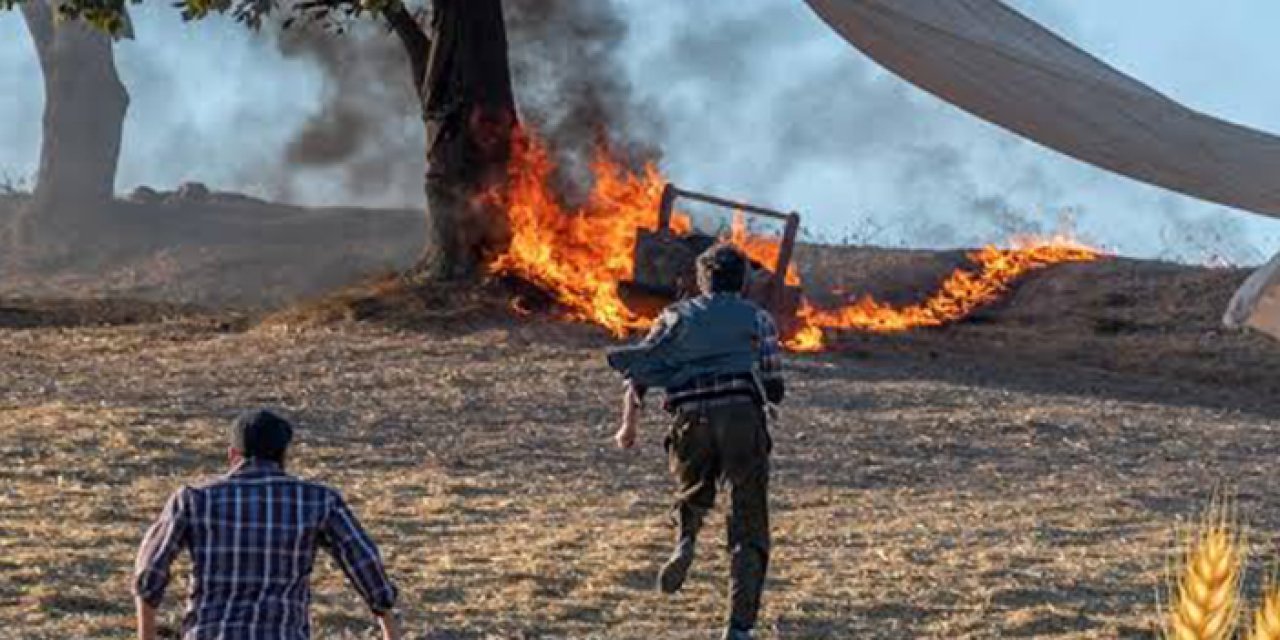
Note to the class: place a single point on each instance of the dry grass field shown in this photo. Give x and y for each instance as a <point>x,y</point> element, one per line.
<point>1018,476</point>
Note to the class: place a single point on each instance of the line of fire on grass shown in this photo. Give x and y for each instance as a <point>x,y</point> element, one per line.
<point>579,255</point>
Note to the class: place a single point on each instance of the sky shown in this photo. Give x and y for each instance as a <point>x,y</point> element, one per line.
<point>754,99</point>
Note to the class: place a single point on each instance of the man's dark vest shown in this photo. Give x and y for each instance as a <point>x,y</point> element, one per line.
<point>711,335</point>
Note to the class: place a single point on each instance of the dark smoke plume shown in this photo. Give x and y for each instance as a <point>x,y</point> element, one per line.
<point>367,134</point>
<point>569,85</point>
<point>572,87</point>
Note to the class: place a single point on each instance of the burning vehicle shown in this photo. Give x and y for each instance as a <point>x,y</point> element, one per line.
<point>664,260</point>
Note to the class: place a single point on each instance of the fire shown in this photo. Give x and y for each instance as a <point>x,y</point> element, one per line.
<point>580,255</point>
<point>762,249</point>
<point>960,294</point>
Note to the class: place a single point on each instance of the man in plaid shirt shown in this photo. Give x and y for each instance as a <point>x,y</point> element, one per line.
<point>720,431</point>
<point>252,537</point>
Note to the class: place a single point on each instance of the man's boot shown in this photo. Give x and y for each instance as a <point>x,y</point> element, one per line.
<point>736,633</point>
<point>673,573</point>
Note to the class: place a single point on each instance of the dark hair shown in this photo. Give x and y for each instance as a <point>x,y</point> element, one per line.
<point>722,269</point>
<point>261,434</point>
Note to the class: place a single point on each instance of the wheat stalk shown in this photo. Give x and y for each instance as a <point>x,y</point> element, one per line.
<point>1266,620</point>
<point>1206,597</point>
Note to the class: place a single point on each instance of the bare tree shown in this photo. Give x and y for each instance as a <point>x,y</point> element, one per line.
<point>84,111</point>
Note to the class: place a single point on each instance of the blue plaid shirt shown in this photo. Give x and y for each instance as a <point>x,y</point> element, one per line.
<point>252,536</point>
<point>768,365</point>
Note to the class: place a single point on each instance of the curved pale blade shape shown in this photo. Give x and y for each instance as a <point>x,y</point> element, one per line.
<point>1257,303</point>
<point>993,62</point>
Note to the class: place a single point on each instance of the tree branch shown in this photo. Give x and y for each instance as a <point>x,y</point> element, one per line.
<point>416,43</point>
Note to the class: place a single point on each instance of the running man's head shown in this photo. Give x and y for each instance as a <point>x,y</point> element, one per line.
<point>722,269</point>
<point>260,435</point>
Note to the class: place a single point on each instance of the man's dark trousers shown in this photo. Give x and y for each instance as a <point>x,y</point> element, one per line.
<point>726,441</point>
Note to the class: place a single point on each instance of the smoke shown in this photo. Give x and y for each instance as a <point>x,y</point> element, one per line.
<point>755,99</point>
<point>366,139</point>
<point>367,135</point>
<point>1215,239</point>
<point>947,169</point>
<point>572,87</point>
<point>761,107</point>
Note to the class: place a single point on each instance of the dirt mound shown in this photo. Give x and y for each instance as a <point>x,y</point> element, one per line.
<point>1143,319</point>
<point>1131,317</point>
<point>395,301</point>
<point>20,313</point>
<point>897,276</point>
<point>220,251</point>
<point>1139,318</point>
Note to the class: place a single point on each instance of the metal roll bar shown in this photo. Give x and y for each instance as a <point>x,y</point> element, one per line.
<point>671,193</point>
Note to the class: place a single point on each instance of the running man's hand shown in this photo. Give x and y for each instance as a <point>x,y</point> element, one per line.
<point>626,436</point>
<point>390,626</point>
<point>146,620</point>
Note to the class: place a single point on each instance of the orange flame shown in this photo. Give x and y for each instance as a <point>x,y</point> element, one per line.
<point>962,293</point>
<point>762,249</point>
<point>580,255</point>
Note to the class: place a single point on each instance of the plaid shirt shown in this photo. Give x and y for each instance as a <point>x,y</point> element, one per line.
<point>252,537</point>
<point>768,365</point>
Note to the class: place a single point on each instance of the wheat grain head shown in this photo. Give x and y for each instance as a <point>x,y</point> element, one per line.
<point>1266,620</point>
<point>1205,603</point>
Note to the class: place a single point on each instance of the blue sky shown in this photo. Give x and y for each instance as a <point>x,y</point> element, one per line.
<point>758,100</point>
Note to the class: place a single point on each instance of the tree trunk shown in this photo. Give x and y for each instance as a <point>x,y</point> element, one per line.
<point>464,84</point>
<point>84,111</point>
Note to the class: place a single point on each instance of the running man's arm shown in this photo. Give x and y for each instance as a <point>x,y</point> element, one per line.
<point>633,394</point>
<point>658,331</point>
<point>769,358</point>
<point>343,537</point>
<point>159,547</point>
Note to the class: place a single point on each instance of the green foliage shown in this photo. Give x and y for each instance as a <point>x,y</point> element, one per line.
<point>107,15</point>
<point>111,16</point>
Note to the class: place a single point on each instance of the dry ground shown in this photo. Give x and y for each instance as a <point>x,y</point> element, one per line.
<point>1018,475</point>
<point>920,491</point>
